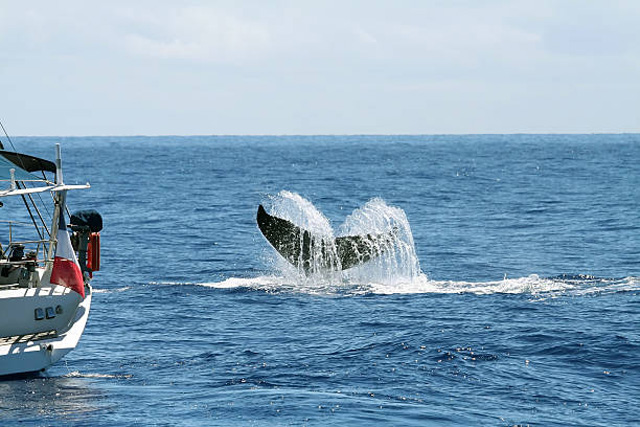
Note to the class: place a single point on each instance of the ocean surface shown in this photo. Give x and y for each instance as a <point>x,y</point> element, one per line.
<point>513,297</point>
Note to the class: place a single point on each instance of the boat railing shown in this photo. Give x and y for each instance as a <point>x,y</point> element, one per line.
<point>35,245</point>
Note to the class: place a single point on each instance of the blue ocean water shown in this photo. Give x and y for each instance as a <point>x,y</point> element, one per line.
<point>527,311</point>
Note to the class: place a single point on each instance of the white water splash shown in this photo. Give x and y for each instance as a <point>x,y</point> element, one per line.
<point>300,211</point>
<point>396,263</point>
<point>77,374</point>
<point>324,264</point>
<point>110,291</point>
<point>534,285</point>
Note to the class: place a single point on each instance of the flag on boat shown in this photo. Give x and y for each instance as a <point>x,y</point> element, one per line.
<point>66,270</point>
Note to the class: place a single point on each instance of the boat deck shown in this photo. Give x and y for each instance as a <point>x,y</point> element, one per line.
<point>28,337</point>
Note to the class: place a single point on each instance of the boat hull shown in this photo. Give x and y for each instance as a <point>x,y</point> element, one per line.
<point>27,311</point>
<point>36,352</point>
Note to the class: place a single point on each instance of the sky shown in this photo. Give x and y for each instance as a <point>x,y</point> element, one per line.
<point>161,67</point>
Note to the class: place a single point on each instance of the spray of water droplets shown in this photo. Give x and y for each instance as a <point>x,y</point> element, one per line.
<point>396,261</point>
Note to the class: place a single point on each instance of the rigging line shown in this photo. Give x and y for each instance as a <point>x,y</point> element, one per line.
<point>23,166</point>
<point>39,214</point>
<point>33,220</point>
<point>8,138</point>
<point>24,199</point>
<point>44,205</point>
<point>43,174</point>
<point>12,146</point>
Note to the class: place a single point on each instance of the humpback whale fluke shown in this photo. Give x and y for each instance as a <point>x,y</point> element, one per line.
<point>299,246</point>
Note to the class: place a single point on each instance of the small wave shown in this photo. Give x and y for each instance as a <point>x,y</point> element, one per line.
<point>174,283</point>
<point>236,282</point>
<point>277,284</point>
<point>532,285</point>
<point>110,291</point>
<point>257,283</point>
<point>77,374</point>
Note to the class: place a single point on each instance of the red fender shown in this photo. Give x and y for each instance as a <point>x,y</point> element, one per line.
<point>93,252</point>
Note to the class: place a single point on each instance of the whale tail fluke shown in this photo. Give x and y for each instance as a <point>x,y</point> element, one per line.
<point>300,246</point>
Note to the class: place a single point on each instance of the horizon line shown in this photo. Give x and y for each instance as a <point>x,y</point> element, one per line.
<point>325,134</point>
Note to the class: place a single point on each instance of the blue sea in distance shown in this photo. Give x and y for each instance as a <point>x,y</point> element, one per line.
<point>527,310</point>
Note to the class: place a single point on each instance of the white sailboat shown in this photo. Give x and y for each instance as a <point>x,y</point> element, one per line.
<point>45,294</point>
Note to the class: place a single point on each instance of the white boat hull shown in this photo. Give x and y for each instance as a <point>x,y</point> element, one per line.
<point>37,352</point>
<point>18,306</point>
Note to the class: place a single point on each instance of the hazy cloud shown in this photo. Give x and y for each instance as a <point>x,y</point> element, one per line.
<point>284,66</point>
<point>197,33</point>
